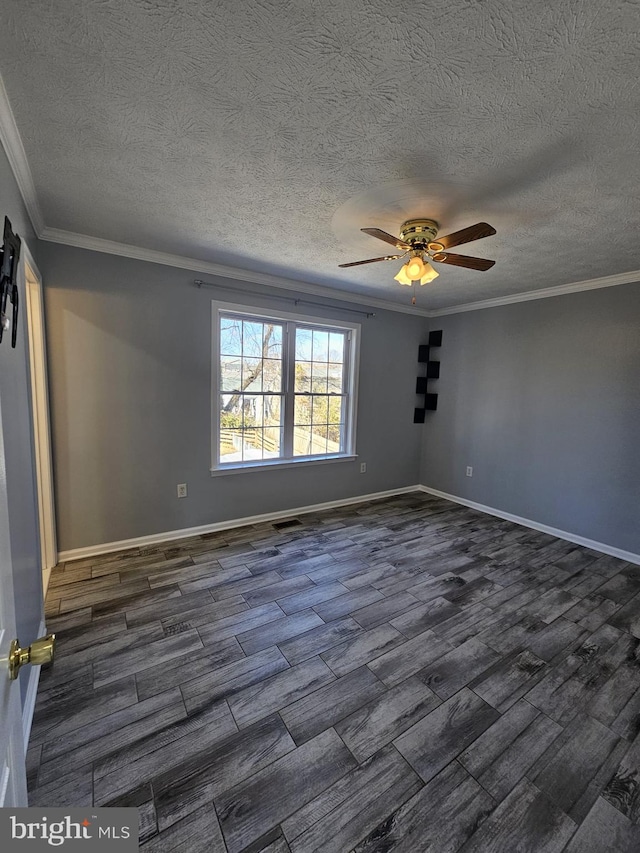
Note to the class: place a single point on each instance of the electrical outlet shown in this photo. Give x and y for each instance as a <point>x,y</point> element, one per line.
<point>469,471</point>
<point>182,490</point>
<point>363,467</point>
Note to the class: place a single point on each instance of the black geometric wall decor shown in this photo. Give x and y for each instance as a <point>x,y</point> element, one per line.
<point>431,402</point>
<point>9,257</point>
<point>432,372</point>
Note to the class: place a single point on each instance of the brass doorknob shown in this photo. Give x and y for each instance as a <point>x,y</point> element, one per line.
<point>41,651</point>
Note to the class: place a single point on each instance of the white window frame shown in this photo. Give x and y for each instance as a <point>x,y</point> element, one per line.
<point>352,361</point>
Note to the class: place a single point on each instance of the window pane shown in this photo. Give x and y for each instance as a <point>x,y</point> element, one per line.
<point>303,376</point>
<point>319,377</point>
<point>335,378</point>
<point>272,411</point>
<point>318,441</point>
<point>230,373</point>
<point>253,444</point>
<point>303,344</point>
<point>272,341</point>
<point>319,410</point>
<point>230,336</point>
<point>320,346</point>
<point>272,438</point>
<point>335,410</point>
<point>230,411</point>
<point>251,410</point>
<point>260,347</point>
<point>303,410</point>
<point>301,441</point>
<point>315,441</point>
<point>271,375</point>
<point>230,445</point>
<point>336,346</point>
<point>335,435</point>
<point>252,338</point>
<point>252,374</point>
<point>250,427</point>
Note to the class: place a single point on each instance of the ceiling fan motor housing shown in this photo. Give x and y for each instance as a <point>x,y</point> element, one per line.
<point>419,232</point>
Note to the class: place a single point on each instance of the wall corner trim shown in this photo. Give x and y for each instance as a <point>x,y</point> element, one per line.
<point>185,533</point>
<point>29,707</point>
<point>610,550</point>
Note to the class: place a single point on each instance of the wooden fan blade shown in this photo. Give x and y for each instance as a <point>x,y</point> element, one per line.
<point>388,238</point>
<point>463,261</point>
<point>371,261</point>
<point>466,235</point>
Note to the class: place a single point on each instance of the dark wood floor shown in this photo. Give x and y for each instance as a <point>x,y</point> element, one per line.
<point>404,675</point>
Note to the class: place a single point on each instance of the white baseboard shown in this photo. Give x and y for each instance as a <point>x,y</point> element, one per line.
<point>629,556</point>
<point>29,706</point>
<point>185,533</point>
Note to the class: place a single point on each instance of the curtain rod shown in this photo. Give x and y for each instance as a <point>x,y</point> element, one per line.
<point>200,283</point>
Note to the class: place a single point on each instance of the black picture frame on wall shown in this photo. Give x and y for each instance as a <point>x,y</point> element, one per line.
<point>9,257</point>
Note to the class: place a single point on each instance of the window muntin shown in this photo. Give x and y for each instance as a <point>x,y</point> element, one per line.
<point>284,389</point>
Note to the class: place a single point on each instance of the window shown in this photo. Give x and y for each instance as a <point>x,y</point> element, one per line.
<point>283,388</point>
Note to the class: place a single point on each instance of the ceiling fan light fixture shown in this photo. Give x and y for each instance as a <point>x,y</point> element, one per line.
<point>415,268</point>
<point>429,274</point>
<point>418,239</point>
<point>402,277</point>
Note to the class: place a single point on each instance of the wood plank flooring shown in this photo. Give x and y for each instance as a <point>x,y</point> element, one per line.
<point>404,674</point>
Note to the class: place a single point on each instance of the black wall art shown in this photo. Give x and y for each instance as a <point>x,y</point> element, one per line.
<point>433,372</point>
<point>9,257</point>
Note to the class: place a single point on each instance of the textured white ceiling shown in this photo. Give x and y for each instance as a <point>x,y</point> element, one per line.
<point>263,134</point>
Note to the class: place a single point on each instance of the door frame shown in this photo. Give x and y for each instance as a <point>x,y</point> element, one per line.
<point>34,297</point>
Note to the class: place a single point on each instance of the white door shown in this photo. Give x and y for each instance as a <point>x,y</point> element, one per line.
<point>13,776</point>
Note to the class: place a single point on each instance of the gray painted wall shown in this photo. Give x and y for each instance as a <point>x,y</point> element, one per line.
<point>130,371</point>
<point>17,427</point>
<point>542,398</point>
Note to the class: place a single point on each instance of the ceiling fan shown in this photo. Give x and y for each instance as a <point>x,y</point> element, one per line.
<point>418,239</point>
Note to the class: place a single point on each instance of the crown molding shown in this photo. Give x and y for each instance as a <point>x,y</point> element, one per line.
<point>12,143</point>
<point>545,293</point>
<point>14,149</point>
<point>97,244</point>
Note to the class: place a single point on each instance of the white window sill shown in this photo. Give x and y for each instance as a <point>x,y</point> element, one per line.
<point>270,465</point>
